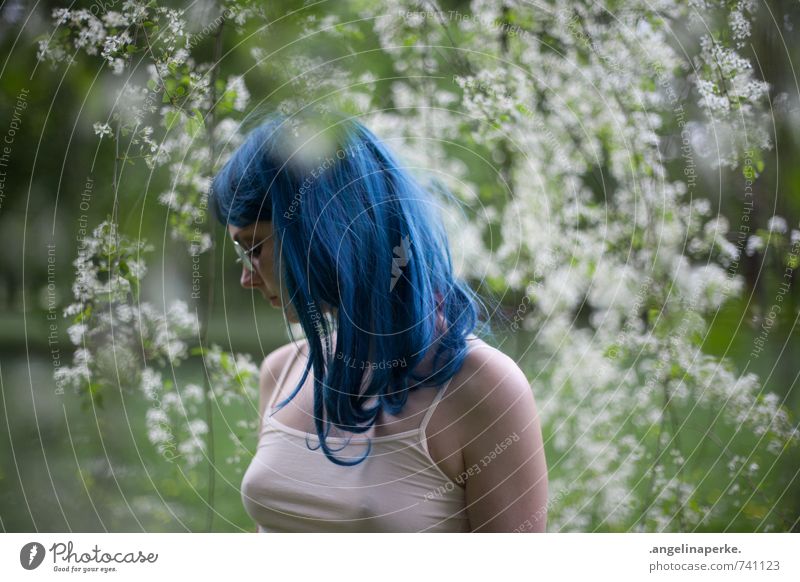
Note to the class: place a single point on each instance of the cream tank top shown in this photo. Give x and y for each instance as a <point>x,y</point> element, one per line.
<point>397,488</point>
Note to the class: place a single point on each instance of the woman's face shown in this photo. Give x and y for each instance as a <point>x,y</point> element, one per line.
<point>265,276</point>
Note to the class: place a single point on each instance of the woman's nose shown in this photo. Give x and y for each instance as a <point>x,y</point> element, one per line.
<point>248,279</point>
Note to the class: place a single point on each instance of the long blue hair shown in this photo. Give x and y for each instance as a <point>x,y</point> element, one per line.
<point>355,232</point>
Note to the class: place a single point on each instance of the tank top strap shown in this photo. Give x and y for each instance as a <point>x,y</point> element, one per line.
<point>284,372</point>
<point>440,393</point>
<point>433,405</point>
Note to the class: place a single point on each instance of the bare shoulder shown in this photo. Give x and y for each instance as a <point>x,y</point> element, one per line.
<point>273,365</point>
<point>488,385</point>
<point>274,361</point>
<point>501,444</point>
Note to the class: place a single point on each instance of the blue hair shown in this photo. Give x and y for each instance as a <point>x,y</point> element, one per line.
<point>358,233</point>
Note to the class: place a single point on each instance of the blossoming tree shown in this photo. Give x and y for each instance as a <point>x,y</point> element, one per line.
<point>573,134</point>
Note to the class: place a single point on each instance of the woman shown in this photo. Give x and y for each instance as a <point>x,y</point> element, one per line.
<point>391,415</point>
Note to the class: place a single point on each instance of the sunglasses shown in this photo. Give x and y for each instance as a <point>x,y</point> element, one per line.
<point>244,254</point>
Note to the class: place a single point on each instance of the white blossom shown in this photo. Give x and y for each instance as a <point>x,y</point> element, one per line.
<point>239,89</point>
<point>777,224</point>
<point>102,129</point>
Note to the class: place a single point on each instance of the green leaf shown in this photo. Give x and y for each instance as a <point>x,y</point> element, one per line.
<point>95,392</point>
<point>171,118</point>
<point>195,124</point>
<point>83,314</point>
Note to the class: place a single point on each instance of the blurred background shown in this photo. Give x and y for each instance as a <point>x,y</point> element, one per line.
<point>85,457</point>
